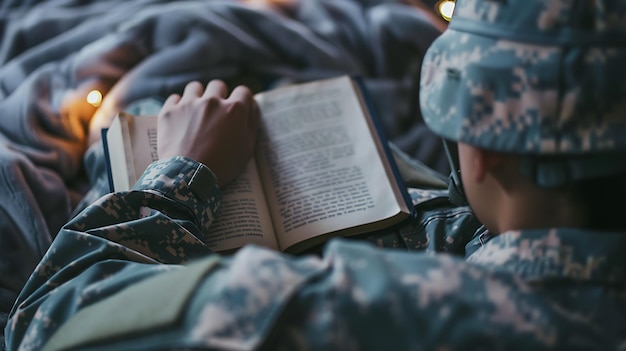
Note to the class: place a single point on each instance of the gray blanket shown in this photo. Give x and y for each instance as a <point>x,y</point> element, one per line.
<point>52,52</point>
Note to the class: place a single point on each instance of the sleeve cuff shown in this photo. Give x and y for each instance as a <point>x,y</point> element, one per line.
<point>185,181</point>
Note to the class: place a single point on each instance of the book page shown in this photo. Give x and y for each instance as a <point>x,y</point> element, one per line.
<point>132,144</point>
<point>317,153</point>
<point>118,147</point>
<point>143,131</point>
<point>243,217</point>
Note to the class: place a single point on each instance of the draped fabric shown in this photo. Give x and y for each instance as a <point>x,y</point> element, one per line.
<point>53,52</point>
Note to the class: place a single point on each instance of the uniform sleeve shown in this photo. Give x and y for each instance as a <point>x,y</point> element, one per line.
<point>132,272</point>
<point>109,238</point>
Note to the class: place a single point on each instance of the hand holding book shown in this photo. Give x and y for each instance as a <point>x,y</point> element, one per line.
<point>210,126</point>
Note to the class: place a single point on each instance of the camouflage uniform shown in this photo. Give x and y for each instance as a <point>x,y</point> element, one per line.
<point>131,272</point>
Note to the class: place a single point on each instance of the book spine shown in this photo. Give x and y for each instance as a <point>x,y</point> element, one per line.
<point>107,158</point>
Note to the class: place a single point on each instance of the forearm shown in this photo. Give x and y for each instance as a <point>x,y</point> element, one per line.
<point>162,220</point>
<point>96,277</point>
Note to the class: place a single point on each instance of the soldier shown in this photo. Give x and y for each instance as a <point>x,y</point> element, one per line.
<point>533,92</point>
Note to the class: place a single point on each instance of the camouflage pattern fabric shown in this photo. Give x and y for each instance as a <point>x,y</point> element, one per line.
<point>122,275</point>
<point>530,77</point>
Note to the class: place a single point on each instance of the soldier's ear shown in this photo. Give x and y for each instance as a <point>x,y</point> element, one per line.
<point>485,162</point>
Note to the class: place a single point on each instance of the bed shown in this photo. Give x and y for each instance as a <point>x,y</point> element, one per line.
<point>54,52</point>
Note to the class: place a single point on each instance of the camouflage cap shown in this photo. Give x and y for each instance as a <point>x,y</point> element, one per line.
<point>537,77</point>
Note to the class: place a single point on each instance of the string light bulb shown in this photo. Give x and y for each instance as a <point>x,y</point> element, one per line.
<point>94,98</point>
<point>446,9</point>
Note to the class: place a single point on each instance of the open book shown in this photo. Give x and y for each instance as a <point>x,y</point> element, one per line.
<point>322,168</point>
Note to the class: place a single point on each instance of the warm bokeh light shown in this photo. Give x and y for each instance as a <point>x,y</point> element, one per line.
<point>446,9</point>
<point>94,98</point>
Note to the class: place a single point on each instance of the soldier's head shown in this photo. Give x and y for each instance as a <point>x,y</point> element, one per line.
<point>534,93</point>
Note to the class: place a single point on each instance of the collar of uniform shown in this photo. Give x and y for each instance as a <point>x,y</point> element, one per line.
<point>570,254</point>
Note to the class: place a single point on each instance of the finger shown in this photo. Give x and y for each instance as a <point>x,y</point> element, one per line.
<point>244,95</point>
<point>171,100</point>
<point>241,93</point>
<point>216,87</point>
<point>192,90</point>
